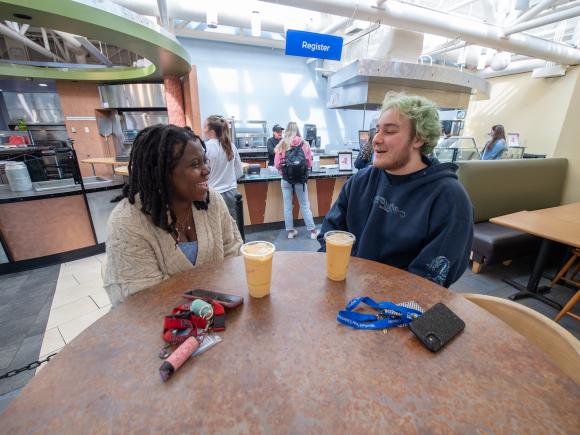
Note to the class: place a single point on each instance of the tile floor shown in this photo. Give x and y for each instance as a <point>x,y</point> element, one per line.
<point>25,303</point>
<point>44,309</point>
<point>79,300</point>
<point>55,304</point>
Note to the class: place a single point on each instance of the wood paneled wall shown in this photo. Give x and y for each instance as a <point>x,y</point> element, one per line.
<point>82,99</point>
<point>191,99</point>
<point>42,227</point>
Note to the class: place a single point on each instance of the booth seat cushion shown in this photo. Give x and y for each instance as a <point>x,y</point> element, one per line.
<point>496,243</point>
<point>500,187</point>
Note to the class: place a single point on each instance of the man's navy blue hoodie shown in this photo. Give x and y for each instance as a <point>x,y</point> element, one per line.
<point>421,222</point>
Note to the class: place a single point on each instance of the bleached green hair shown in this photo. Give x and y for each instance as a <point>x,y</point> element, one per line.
<point>422,113</point>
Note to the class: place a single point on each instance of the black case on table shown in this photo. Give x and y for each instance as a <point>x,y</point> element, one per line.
<point>436,327</point>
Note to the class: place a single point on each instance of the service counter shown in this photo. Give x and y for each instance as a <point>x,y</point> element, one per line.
<point>263,201</point>
<point>41,227</point>
<point>260,156</point>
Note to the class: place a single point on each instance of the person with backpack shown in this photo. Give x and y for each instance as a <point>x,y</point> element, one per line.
<point>294,159</point>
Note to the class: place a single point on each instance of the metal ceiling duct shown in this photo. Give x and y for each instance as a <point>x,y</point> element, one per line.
<point>73,45</point>
<point>396,44</point>
<point>7,31</point>
<point>420,19</point>
<point>522,66</point>
<point>542,21</point>
<point>195,11</point>
<point>234,39</point>
<point>380,43</point>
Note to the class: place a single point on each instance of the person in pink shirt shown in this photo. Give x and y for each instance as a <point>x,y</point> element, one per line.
<point>293,144</point>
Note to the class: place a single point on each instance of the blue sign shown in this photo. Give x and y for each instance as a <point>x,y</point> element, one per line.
<point>308,44</point>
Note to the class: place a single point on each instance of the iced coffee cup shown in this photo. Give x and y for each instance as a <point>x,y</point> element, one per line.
<point>258,261</point>
<point>338,249</point>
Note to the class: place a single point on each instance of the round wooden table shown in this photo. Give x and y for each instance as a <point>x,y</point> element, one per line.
<point>286,366</point>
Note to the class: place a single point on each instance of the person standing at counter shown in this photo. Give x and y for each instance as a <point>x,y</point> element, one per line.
<point>407,210</point>
<point>277,131</point>
<point>226,165</point>
<point>300,152</point>
<point>495,147</point>
<point>169,220</point>
<point>446,140</point>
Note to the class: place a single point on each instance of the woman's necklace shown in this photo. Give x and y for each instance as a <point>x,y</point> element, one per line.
<point>188,223</point>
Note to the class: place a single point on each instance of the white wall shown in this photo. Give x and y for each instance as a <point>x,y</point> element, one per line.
<point>253,83</point>
<point>534,108</point>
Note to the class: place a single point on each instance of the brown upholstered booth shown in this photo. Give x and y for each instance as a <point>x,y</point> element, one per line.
<point>500,187</point>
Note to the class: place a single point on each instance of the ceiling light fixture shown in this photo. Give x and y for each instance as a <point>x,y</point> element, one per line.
<point>44,85</point>
<point>256,24</point>
<point>211,17</point>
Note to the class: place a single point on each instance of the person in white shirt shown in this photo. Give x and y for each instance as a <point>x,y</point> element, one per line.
<point>224,160</point>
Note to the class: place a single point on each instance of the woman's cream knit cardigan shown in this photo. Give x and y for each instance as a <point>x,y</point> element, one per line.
<point>140,254</point>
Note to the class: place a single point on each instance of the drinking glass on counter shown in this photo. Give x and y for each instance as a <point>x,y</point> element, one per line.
<point>258,257</point>
<point>338,249</point>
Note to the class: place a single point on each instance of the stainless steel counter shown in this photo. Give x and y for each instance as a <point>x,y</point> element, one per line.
<point>252,150</point>
<point>45,189</point>
<point>323,173</point>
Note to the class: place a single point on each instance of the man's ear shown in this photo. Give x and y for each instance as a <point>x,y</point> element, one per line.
<point>417,143</point>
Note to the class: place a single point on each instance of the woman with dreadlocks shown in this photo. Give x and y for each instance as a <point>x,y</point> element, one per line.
<point>168,220</point>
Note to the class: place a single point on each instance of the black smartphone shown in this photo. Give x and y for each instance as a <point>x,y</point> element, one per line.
<point>228,301</point>
<point>437,327</point>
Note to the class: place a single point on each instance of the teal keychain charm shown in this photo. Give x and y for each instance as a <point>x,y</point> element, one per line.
<point>202,309</point>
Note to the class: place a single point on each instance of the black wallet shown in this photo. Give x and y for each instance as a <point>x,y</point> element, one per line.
<point>436,327</point>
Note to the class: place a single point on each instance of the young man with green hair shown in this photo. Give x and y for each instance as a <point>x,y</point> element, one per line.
<point>407,210</point>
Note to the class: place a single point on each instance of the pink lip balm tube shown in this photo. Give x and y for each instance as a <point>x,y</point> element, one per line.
<point>178,357</point>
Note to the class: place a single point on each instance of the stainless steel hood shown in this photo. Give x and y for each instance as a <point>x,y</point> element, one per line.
<point>133,95</point>
<point>364,83</point>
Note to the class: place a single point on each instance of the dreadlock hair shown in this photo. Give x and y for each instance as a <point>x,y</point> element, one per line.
<point>154,155</point>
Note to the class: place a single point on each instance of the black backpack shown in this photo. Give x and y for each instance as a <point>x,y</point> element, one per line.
<point>294,167</point>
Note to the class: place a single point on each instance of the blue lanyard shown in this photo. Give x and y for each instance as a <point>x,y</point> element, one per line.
<point>389,314</point>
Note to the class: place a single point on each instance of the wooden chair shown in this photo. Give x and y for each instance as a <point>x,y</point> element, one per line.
<point>568,307</point>
<point>561,347</point>
<point>561,276</point>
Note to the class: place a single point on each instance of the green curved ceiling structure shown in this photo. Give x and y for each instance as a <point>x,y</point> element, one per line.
<point>166,54</point>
